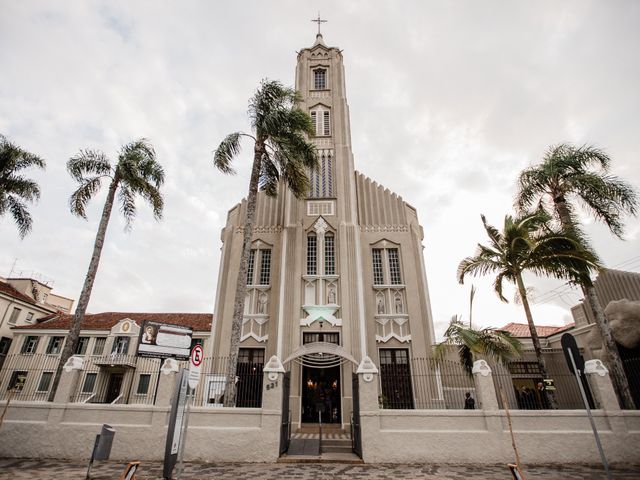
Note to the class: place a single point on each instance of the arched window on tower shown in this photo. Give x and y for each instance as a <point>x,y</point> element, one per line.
<point>322,178</point>
<point>321,118</point>
<point>319,79</point>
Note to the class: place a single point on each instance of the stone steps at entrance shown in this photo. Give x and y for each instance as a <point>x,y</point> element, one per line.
<point>336,445</point>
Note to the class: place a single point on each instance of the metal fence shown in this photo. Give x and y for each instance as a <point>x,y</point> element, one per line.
<point>213,378</point>
<point>424,383</point>
<point>27,378</point>
<point>525,388</point>
<point>632,370</point>
<point>126,379</point>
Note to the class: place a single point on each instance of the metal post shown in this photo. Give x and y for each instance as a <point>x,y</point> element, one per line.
<point>183,440</point>
<point>586,406</point>
<point>93,455</point>
<point>320,431</point>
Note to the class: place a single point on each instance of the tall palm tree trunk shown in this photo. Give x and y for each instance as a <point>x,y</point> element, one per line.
<point>85,295</point>
<point>618,375</point>
<point>549,397</point>
<point>241,282</point>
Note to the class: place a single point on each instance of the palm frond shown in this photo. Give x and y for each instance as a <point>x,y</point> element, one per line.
<point>88,164</point>
<point>226,151</point>
<point>127,201</point>
<point>79,199</point>
<point>20,215</point>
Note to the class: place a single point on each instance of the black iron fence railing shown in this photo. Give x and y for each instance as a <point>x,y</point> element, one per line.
<point>424,383</point>
<point>526,389</point>
<point>126,379</point>
<point>27,377</point>
<point>632,369</point>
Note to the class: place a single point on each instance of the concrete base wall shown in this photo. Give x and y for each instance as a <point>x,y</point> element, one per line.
<point>33,430</point>
<point>477,437</point>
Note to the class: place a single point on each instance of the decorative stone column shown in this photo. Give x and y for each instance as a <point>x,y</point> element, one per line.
<point>166,382</point>
<point>601,386</point>
<point>485,390</point>
<point>272,385</point>
<point>369,408</point>
<point>272,395</point>
<point>69,379</point>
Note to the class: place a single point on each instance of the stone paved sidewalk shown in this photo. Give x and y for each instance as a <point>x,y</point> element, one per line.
<point>67,470</point>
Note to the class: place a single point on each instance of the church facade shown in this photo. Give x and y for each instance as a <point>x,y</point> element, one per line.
<point>336,281</point>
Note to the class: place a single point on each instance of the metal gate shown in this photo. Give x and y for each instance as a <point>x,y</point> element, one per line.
<point>285,426</point>
<point>356,435</point>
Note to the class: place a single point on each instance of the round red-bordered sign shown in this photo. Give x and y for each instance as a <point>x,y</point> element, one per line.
<point>197,355</point>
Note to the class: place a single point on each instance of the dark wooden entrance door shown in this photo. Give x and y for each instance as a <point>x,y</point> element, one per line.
<point>321,394</point>
<point>114,387</point>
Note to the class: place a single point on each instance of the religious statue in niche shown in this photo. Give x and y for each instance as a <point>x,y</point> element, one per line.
<point>380,305</point>
<point>262,302</point>
<point>398,304</point>
<point>331,295</point>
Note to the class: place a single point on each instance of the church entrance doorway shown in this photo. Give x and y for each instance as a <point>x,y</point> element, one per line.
<point>321,395</point>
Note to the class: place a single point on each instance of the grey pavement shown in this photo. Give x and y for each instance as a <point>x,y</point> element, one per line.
<point>67,470</point>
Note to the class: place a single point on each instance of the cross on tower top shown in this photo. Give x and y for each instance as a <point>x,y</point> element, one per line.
<point>319,21</point>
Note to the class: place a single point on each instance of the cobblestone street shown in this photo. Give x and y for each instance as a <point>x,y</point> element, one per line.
<point>60,470</point>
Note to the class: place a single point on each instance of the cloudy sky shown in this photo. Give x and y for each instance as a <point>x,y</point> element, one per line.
<point>457,96</point>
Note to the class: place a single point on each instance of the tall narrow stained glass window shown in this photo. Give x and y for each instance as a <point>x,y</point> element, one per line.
<point>265,267</point>
<point>312,254</point>
<point>329,254</point>
<point>378,276</point>
<point>250,266</point>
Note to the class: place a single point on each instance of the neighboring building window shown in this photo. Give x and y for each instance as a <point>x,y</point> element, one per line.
<point>55,345</point>
<point>89,382</point>
<point>120,345</point>
<point>321,118</point>
<point>319,79</point>
<point>30,344</point>
<point>81,347</point>
<point>395,378</point>
<point>249,372</point>
<point>250,266</point>
<point>386,266</point>
<point>265,267</point>
<point>196,341</point>
<point>329,254</point>
<point>143,384</point>
<point>14,315</point>
<point>17,381</point>
<point>5,343</point>
<point>45,381</point>
<point>312,253</point>
<point>29,318</point>
<point>98,347</point>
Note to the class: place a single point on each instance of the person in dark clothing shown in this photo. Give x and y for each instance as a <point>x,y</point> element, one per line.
<point>469,402</point>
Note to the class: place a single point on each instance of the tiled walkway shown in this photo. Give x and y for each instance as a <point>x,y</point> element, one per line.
<point>59,470</point>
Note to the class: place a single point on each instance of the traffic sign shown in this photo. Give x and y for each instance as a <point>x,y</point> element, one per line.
<point>195,363</point>
<point>568,343</point>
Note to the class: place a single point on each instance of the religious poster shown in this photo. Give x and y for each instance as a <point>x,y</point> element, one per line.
<point>162,340</point>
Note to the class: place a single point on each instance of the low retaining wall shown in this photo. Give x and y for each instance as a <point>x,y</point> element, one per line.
<point>68,431</point>
<point>477,437</point>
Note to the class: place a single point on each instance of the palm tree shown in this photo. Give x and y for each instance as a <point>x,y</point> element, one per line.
<point>471,343</point>
<point>281,152</point>
<point>137,173</point>
<point>15,189</point>
<point>569,177</point>
<point>527,243</point>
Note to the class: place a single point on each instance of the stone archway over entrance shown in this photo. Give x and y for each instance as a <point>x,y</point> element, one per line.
<point>321,381</point>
